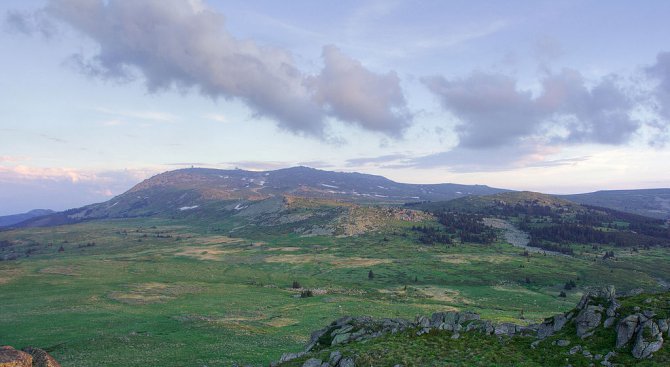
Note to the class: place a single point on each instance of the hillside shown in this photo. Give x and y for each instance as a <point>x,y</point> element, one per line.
<point>653,203</point>
<point>602,329</point>
<point>220,194</point>
<point>9,220</point>
<point>552,223</point>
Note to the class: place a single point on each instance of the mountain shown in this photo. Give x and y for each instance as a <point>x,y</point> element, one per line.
<point>9,220</point>
<point>653,203</point>
<point>220,193</point>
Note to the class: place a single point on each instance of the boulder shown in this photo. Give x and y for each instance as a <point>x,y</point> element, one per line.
<point>10,357</point>
<point>551,326</point>
<point>41,358</point>
<point>312,362</point>
<point>626,329</point>
<point>347,362</point>
<point>335,358</point>
<point>587,320</point>
<point>649,340</point>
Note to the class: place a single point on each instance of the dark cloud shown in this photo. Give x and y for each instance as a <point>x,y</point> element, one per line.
<point>660,71</point>
<point>184,44</point>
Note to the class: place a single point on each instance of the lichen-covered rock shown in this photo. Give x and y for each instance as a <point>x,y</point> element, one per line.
<point>312,362</point>
<point>551,326</point>
<point>41,358</point>
<point>587,320</point>
<point>649,340</point>
<point>347,362</point>
<point>626,329</point>
<point>10,357</point>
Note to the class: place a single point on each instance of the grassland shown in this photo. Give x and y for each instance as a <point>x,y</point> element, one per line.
<point>139,292</point>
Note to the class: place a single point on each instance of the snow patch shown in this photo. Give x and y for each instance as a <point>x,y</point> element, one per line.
<point>239,207</point>
<point>331,186</point>
<point>188,207</point>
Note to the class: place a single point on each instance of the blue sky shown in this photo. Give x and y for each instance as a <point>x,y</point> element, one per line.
<point>551,96</point>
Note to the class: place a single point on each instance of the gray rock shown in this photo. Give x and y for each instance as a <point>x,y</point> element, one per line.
<point>613,307</point>
<point>290,356</point>
<point>649,313</point>
<point>335,357</point>
<point>423,321</point>
<point>626,329</point>
<point>423,331</point>
<point>347,362</point>
<point>455,336</point>
<point>551,326</point>
<point>343,330</point>
<point>609,322</point>
<point>341,339</point>
<point>505,328</point>
<point>312,362</point>
<point>587,320</point>
<point>534,344</point>
<point>598,357</point>
<point>649,340</point>
<point>663,325</point>
<point>561,342</point>
<point>574,350</point>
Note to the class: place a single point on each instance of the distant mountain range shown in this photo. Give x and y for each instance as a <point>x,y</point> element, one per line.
<point>653,203</point>
<point>10,220</point>
<point>221,193</point>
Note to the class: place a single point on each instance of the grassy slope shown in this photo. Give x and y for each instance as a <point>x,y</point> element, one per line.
<point>204,300</point>
<point>437,348</point>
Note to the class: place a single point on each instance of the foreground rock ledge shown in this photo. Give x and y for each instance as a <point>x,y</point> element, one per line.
<point>641,333</point>
<point>28,357</point>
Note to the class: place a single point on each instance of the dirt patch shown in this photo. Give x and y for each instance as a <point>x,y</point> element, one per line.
<point>441,294</point>
<point>285,249</point>
<point>206,253</point>
<point>357,262</point>
<point>348,262</point>
<point>215,240</point>
<point>281,322</point>
<point>60,270</point>
<point>453,259</point>
<point>7,275</point>
<point>146,293</point>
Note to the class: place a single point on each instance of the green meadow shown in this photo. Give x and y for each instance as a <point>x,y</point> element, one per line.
<point>138,292</point>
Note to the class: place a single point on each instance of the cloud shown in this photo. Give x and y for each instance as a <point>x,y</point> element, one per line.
<point>491,110</point>
<point>660,71</point>
<point>495,115</point>
<point>29,24</point>
<point>357,162</point>
<point>356,95</point>
<point>498,158</point>
<point>179,44</point>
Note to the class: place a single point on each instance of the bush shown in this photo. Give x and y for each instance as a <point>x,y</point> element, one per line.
<point>306,293</point>
<point>296,285</point>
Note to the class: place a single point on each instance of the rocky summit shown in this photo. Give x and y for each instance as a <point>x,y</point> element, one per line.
<point>603,329</point>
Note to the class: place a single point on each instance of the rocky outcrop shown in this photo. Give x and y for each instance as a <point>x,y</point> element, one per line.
<point>41,358</point>
<point>10,357</point>
<point>642,331</point>
<point>28,357</point>
<point>649,340</point>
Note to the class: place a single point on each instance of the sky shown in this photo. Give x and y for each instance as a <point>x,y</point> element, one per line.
<point>549,96</point>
